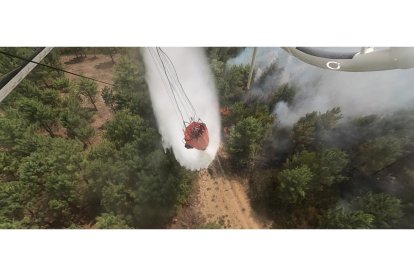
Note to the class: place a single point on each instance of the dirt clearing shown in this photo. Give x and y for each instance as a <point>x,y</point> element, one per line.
<point>219,200</point>
<point>99,67</point>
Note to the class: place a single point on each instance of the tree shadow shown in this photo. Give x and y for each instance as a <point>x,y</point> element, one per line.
<point>93,58</point>
<point>75,60</point>
<point>105,65</point>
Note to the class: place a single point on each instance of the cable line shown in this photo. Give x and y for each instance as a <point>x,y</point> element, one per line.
<point>178,80</point>
<point>158,66</point>
<point>54,68</point>
<point>172,88</point>
<point>186,109</point>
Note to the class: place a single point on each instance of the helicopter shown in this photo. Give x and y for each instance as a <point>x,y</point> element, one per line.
<point>366,60</point>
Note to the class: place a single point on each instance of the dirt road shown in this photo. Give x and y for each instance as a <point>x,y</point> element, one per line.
<point>224,200</point>
<point>219,200</point>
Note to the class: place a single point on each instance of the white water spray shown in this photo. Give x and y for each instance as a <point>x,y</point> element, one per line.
<point>197,80</point>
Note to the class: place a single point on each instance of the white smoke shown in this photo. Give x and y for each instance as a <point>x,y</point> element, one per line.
<point>264,57</point>
<point>284,115</point>
<point>197,80</point>
<point>356,93</point>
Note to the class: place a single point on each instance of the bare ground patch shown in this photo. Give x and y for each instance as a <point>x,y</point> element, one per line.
<point>99,67</point>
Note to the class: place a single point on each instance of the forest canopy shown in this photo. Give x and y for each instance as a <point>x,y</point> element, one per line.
<point>63,166</point>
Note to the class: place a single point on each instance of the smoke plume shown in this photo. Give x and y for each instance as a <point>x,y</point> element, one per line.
<point>197,80</point>
<point>356,93</point>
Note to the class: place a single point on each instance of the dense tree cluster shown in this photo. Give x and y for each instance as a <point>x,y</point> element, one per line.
<point>52,174</point>
<point>324,171</point>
